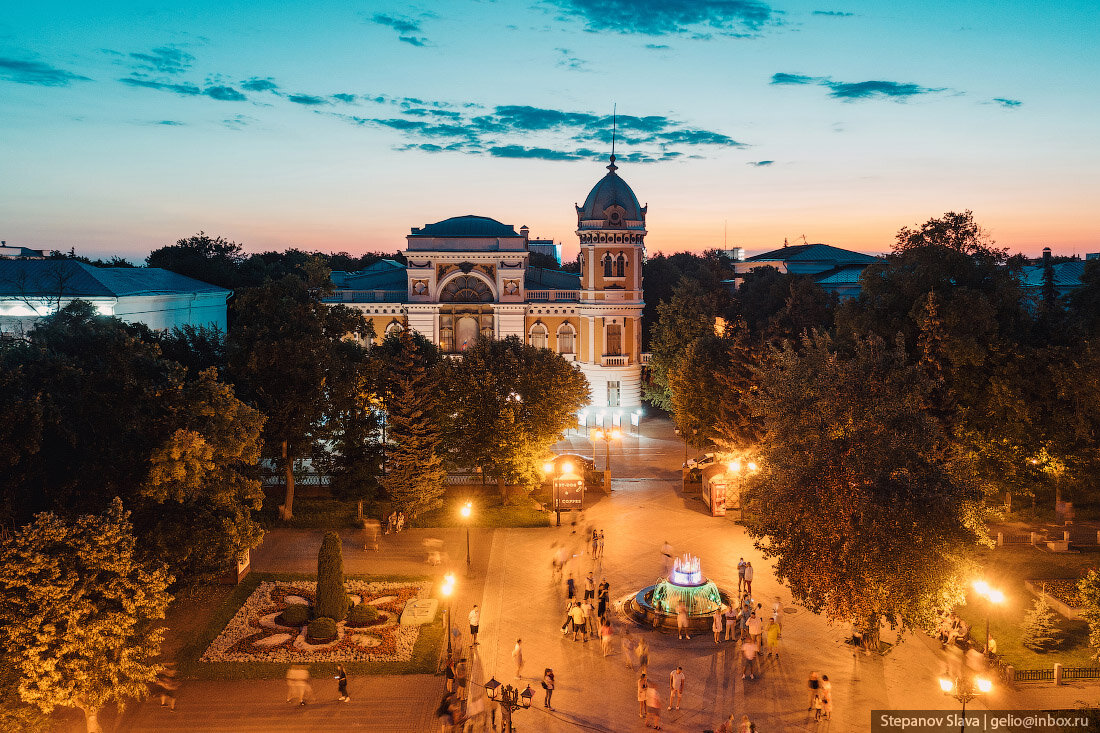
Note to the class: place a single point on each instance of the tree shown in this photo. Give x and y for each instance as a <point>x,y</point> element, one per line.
<point>681,320</point>
<point>855,501</point>
<point>1088,590</point>
<point>332,598</point>
<point>415,476</point>
<point>508,403</point>
<point>1040,630</point>
<point>79,612</point>
<point>212,260</point>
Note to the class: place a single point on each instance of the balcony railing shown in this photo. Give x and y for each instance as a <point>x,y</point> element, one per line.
<point>645,359</point>
<point>616,360</point>
<point>366,296</point>
<point>553,296</point>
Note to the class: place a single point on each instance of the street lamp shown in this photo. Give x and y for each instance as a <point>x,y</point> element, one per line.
<point>446,590</point>
<point>466,510</point>
<point>991,596</point>
<point>606,435</point>
<point>510,699</point>
<point>965,688</point>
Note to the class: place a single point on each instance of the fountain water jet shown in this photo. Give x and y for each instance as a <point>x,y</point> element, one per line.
<point>656,605</point>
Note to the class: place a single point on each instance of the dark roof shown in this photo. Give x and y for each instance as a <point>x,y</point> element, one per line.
<point>541,278</point>
<point>1066,274</point>
<point>384,275</point>
<point>847,275</point>
<point>815,253</point>
<point>466,226</point>
<point>611,190</point>
<point>74,279</point>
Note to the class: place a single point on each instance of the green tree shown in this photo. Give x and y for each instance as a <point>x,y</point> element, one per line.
<point>212,260</point>
<point>854,501</point>
<point>332,598</point>
<point>688,315</point>
<point>415,475</point>
<point>1040,629</point>
<point>79,613</point>
<point>1088,590</point>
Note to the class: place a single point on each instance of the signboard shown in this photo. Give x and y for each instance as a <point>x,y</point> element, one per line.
<point>568,492</point>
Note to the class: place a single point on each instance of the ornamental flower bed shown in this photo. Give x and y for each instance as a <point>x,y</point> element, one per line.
<point>1063,589</point>
<point>256,634</point>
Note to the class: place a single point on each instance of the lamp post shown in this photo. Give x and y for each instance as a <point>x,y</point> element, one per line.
<point>606,435</point>
<point>965,688</point>
<point>446,590</point>
<point>510,699</point>
<point>466,510</point>
<point>991,596</point>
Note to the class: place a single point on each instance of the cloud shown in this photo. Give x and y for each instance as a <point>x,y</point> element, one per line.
<point>567,60</point>
<point>406,28</point>
<point>834,13</point>
<point>225,94</point>
<point>170,123</point>
<point>1007,103</point>
<point>187,90</point>
<point>692,18</point>
<point>523,131</point>
<point>345,98</point>
<point>238,122</point>
<point>36,73</point>
<point>657,46</point>
<point>259,85</point>
<point>854,91</point>
<point>164,60</point>
<point>760,163</point>
<point>307,99</point>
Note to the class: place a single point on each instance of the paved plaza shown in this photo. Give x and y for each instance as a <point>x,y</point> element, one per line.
<point>511,579</point>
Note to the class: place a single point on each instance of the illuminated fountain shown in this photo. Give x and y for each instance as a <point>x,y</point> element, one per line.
<point>657,604</point>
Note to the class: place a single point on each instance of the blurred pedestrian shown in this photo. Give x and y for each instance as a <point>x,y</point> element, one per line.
<point>826,697</point>
<point>755,627</point>
<point>676,688</point>
<point>666,556</point>
<point>643,655</point>
<point>168,684</point>
<point>628,646</point>
<point>606,635</point>
<point>749,650</point>
<point>642,684</point>
<point>342,682</point>
<point>590,616</point>
<point>748,577</point>
<point>517,657</point>
<point>682,621</point>
<point>716,625</point>
<point>814,684</point>
<point>652,707</point>
<point>297,684</point>
<point>570,587</point>
<point>599,546</point>
<point>548,685</point>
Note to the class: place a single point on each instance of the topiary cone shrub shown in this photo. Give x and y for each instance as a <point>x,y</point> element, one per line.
<point>332,599</point>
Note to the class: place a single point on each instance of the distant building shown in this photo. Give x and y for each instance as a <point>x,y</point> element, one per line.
<point>33,288</point>
<point>10,251</point>
<point>836,270</point>
<point>1066,275</point>
<point>468,278</point>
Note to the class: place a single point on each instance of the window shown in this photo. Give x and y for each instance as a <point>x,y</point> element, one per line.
<point>612,394</point>
<point>614,345</point>
<point>446,340</point>
<point>607,265</point>
<point>466,289</point>
<point>565,339</point>
<point>539,336</point>
<point>620,265</point>
<point>393,327</point>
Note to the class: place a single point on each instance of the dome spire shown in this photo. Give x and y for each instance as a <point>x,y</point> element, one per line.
<point>614,125</point>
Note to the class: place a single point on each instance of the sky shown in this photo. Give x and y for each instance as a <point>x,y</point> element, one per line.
<point>338,126</point>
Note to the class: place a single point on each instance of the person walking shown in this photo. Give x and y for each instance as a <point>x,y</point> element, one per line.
<point>716,624</point>
<point>653,707</point>
<point>777,610</point>
<point>628,646</point>
<point>168,684</point>
<point>740,574</point>
<point>595,545</point>
<point>599,546</point>
<point>748,577</point>
<point>749,650</point>
<point>730,617</point>
<point>579,620</point>
<point>826,697</point>
<point>771,638</point>
<point>297,683</point>
<point>676,688</point>
<point>570,588</point>
<point>590,617</point>
<point>642,684</point>
<point>682,621</point>
<point>475,622</point>
<point>589,586</point>
<point>666,555</point>
<point>604,594</point>
<point>815,685</point>
<point>342,683</point>
<point>755,627</point>
<point>643,655</point>
<point>548,685</point>
<point>606,635</point>
<point>517,657</point>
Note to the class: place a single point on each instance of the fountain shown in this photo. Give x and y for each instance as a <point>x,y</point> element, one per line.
<point>656,604</point>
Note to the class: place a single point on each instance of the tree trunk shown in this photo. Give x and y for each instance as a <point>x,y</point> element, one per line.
<point>501,488</point>
<point>1008,501</point>
<point>91,720</point>
<point>288,466</point>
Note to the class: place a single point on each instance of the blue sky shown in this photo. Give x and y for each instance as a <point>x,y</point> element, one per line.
<point>339,126</point>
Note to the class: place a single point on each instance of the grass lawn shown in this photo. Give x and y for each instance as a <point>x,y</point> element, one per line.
<point>1006,568</point>
<point>311,513</point>
<point>486,514</point>
<point>424,660</point>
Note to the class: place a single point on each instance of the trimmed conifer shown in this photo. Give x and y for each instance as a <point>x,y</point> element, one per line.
<point>1040,628</point>
<point>332,599</point>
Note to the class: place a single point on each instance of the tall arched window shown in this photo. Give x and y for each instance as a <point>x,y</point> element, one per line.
<point>620,265</point>
<point>539,336</point>
<point>466,289</point>
<point>565,339</point>
<point>607,266</point>
<point>613,345</point>
<point>393,327</point>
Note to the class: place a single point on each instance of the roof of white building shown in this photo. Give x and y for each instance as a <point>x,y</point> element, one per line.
<point>75,279</point>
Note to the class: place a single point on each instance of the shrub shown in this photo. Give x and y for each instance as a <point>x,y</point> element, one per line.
<point>332,599</point>
<point>1040,628</point>
<point>295,614</point>
<point>321,629</point>
<point>362,614</point>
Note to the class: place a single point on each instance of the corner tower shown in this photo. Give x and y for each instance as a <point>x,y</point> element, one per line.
<point>611,231</point>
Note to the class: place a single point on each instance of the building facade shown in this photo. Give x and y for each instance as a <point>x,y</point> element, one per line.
<point>468,277</point>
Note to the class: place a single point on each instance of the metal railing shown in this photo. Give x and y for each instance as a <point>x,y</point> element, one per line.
<point>366,296</point>
<point>1034,675</point>
<point>563,296</point>
<point>1080,673</point>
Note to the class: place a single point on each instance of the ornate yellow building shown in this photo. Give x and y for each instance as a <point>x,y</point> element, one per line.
<point>468,277</point>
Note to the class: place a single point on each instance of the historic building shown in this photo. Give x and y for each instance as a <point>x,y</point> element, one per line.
<point>468,277</point>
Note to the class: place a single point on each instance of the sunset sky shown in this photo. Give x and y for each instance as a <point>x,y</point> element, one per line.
<point>338,126</point>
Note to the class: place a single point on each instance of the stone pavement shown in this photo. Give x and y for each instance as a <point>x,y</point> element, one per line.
<point>511,580</point>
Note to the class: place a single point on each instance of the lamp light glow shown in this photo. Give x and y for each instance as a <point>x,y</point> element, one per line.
<point>548,467</point>
<point>567,467</point>
<point>983,684</point>
<point>946,685</point>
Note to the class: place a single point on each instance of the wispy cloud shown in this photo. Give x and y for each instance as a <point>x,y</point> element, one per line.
<point>1007,103</point>
<point>692,18</point>
<point>259,85</point>
<point>860,90</point>
<point>761,163</point>
<point>345,98</point>
<point>834,13</point>
<point>307,99</point>
<point>408,29</point>
<point>658,46</point>
<point>567,60</point>
<point>164,60</point>
<point>219,92</point>
<point>170,123</point>
<point>37,73</point>
<point>522,131</point>
<point>238,122</point>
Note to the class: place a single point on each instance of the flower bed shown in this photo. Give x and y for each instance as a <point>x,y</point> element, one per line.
<point>1063,589</point>
<point>256,634</point>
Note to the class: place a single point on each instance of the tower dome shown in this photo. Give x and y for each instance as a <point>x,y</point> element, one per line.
<point>611,204</point>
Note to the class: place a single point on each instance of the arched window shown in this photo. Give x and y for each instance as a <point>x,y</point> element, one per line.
<point>607,265</point>
<point>466,289</point>
<point>565,339</point>
<point>393,327</point>
<point>620,265</point>
<point>539,336</point>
